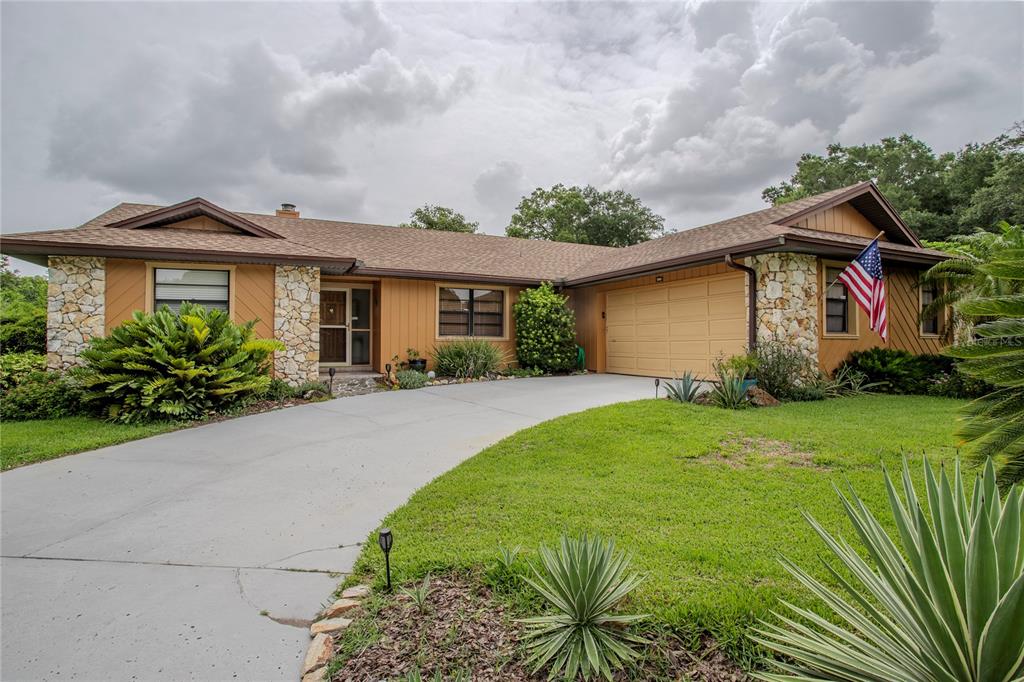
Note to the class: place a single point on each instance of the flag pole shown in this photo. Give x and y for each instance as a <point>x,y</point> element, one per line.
<point>825,291</point>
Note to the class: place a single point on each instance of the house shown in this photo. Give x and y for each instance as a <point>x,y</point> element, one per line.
<point>355,295</point>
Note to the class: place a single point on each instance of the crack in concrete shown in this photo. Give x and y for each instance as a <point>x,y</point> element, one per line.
<point>315,549</point>
<point>173,564</point>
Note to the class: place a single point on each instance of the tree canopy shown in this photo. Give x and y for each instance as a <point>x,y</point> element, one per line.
<point>22,310</point>
<point>938,195</point>
<point>429,217</point>
<point>584,215</point>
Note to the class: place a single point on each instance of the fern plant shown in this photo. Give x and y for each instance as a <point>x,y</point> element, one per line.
<point>164,365</point>
<point>584,580</point>
<point>682,389</point>
<point>943,600</point>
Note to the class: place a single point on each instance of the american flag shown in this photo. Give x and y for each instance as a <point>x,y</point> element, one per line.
<point>863,277</point>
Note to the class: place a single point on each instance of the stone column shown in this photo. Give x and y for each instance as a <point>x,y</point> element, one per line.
<point>297,323</point>
<point>787,300</point>
<point>76,307</point>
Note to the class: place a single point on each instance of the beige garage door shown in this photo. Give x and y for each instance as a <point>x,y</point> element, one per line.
<point>666,329</point>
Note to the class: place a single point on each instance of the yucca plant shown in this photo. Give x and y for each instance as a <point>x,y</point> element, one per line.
<point>419,594</point>
<point>166,365</point>
<point>682,389</point>
<point>584,580</point>
<point>942,601</point>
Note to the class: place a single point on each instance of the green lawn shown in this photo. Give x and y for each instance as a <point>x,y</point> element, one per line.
<point>34,441</point>
<point>705,499</point>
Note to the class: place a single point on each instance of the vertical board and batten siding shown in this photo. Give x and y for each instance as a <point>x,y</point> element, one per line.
<point>253,298</point>
<point>653,328</point>
<point>841,219</point>
<point>408,318</point>
<point>904,326</point>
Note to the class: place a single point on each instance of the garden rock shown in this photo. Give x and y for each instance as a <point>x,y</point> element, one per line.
<point>356,592</point>
<point>318,654</point>
<point>339,607</point>
<point>761,398</point>
<point>318,675</point>
<point>329,625</point>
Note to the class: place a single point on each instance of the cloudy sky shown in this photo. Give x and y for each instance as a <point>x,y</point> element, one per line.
<point>365,111</point>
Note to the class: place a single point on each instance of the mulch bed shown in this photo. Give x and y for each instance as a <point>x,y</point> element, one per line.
<point>466,630</point>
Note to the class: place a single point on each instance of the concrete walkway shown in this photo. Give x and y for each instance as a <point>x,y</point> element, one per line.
<point>155,559</point>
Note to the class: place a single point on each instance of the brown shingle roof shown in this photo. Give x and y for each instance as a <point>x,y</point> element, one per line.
<point>380,249</point>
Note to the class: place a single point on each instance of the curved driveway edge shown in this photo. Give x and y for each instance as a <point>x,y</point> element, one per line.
<point>154,559</point>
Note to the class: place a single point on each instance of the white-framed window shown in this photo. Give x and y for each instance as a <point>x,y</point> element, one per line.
<point>463,311</point>
<point>930,326</point>
<point>209,288</point>
<point>838,317</point>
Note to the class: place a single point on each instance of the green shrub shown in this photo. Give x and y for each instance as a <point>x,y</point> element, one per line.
<point>16,366</point>
<point>278,390</point>
<point>942,599</point>
<point>23,328</point>
<point>313,390</point>
<point>175,366</point>
<point>583,582</point>
<point>525,372</point>
<point>545,330</point>
<point>682,389</point>
<point>467,358</point>
<point>743,365</point>
<point>956,384</point>
<point>410,378</point>
<point>783,370</point>
<point>41,395</point>
<point>898,371</point>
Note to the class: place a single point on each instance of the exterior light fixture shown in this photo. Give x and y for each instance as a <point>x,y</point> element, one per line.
<point>331,372</point>
<point>657,383</point>
<point>386,540</point>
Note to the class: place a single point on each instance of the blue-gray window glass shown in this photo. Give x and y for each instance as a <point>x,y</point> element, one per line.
<point>208,288</point>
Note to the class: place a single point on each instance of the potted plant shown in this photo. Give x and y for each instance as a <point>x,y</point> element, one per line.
<point>415,361</point>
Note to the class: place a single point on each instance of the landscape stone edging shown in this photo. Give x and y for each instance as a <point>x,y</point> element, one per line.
<point>328,623</point>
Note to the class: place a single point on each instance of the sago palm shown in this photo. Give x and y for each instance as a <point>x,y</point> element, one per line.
<point>994,424</point>
<point>941,601</point>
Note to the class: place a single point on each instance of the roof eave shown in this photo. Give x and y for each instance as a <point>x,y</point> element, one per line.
<point>191,208</point>
<point>39,248</point>
<point>453,276</point>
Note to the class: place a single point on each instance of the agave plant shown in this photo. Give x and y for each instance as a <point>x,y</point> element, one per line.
<point>584,580</point>
<point>731,391</point>
<point>995,422</point>
<point>166,365</point>
<point>682,389</point>
<point>944,601</point>
<point>419,594</point>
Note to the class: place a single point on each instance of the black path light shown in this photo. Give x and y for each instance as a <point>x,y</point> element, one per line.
<point>331,372</point>
<point>657,383</point>
<point>386,540</point>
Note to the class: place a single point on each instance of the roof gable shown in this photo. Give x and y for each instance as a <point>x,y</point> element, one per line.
<point>869,209</point>
<point>184,215</point>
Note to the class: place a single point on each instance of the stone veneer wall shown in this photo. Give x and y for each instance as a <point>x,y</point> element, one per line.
<point>76,307</point>
<point>787,300</point>
<point>297,323</point>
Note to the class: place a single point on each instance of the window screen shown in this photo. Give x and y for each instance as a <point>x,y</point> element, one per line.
<point>471,312</point>
<point>837,304</point>
<point>204,287</point>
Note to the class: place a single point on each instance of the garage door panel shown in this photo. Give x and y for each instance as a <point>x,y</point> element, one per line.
<point>695,289</point>
<point>695,309</point>
<point>727,285</point>
<point>667,329</point>
<point>654,311</point>
<point>654,330</point>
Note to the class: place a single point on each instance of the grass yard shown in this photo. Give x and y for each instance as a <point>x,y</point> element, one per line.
<point>25,442</point>
<point>705,499</point>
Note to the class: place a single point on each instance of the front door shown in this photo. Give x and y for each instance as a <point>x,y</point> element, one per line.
<point>334,326</point>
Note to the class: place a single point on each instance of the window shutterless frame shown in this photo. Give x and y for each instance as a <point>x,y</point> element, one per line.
<point>151,285</point>
<point>933,326</point>
<point>478,311</point>
<point>837,303</point>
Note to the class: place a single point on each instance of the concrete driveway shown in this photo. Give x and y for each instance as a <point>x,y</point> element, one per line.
<point>155,559</point>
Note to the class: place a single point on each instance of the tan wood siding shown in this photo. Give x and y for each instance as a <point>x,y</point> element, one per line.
<point>254,297</point>
<point>842,219</point>
<point>126,290</point>
<point>408,318</point>
<point>904,327</point>
<point>203,224</point>
<point>591,304</point>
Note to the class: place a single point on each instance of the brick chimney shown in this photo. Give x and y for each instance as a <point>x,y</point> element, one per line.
<point>287,211</point>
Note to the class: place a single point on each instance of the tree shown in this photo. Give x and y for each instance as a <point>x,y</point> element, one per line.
<point>584,215</point>
<point>545,330</point>
<point>22,310</point>
<point>938,196</point>
<point>429,217</point>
